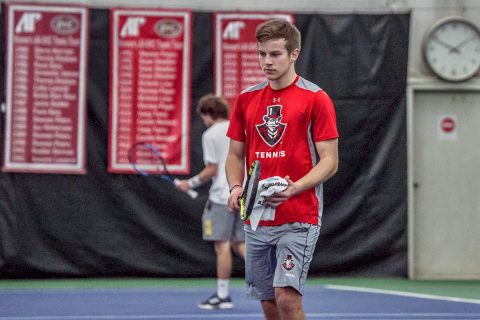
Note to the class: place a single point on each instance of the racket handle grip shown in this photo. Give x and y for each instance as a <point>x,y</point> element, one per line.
<point>192,193</point>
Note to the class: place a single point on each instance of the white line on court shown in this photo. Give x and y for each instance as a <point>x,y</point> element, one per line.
<point>401,293</point>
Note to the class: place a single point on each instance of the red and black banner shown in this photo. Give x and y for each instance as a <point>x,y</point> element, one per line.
<point>46,58</point>
<point>150,66</point>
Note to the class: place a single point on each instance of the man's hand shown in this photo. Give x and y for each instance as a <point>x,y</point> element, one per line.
<point>234,199</point>
<point>183,185</point>
<point>277,199</point>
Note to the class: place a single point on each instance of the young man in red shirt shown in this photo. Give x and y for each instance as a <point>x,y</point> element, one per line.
<point>289,125</point>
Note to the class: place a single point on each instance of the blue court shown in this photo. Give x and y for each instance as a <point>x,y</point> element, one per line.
<point>320,302</point>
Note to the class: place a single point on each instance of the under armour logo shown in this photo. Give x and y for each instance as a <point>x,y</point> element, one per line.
<point>276,100</point>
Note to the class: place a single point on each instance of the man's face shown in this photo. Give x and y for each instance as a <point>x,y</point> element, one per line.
<point>275,60</point>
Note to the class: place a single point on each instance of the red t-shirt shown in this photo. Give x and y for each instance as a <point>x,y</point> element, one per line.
<point>279,128</point>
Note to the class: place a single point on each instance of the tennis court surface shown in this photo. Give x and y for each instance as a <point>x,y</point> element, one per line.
<point>322,301</point>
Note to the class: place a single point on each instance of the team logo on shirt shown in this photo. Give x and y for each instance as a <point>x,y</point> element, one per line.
<point>272,129</point>
<point>288,263</point>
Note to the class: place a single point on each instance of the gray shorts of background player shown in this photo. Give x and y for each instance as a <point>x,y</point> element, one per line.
<point>219,224</point>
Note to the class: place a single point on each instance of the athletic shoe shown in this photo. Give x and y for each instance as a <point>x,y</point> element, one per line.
<point>214,302</point>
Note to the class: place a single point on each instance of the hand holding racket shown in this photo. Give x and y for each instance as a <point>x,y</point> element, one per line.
<point>146,152</point>
<point>247,200</point>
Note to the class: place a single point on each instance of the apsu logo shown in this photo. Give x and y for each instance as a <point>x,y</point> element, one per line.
<point>168,28</point>
<point>232,30</point>
<point>65,24</point>
<point>27,22</point>
<point>272,129</point>
<point>288,263</point>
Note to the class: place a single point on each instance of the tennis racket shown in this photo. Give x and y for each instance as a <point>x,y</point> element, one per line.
<point>247,200</point>
<point>146,153</point>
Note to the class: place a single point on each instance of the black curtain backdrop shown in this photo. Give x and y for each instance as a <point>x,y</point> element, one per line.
<point>111,225</point>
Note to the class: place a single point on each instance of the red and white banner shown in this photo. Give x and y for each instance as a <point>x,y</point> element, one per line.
<point>46,72</point>
<point>150,86</point>
<point>236,55</point>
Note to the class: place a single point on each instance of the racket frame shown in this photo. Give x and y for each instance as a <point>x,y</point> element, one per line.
<point>166,175</point>
<point>247,199</point>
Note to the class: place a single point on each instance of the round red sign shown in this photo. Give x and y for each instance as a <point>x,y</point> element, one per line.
<point>447,124</point>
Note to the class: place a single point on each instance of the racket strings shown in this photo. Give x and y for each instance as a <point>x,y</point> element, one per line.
<point>146,159</point>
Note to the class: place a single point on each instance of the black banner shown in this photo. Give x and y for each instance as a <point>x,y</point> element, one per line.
<point>103,224</point>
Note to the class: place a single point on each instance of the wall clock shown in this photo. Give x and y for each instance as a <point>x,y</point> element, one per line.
<point>451,49</point>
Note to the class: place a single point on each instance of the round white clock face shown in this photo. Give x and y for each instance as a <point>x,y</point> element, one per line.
<point>451,49</point>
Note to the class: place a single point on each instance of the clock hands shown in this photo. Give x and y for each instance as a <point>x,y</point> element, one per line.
<point>454,49</point>
<point>462,43</point>
<point>446,45</point>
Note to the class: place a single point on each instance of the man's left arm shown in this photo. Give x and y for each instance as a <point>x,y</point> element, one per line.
<point>321,172</point>
<point>207,173</point>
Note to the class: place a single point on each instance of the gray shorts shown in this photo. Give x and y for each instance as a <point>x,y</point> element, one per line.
<point>278,257</point>
<point>219,224</point>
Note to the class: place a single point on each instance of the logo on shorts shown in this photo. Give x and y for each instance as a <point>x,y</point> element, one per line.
<point>288,263</point>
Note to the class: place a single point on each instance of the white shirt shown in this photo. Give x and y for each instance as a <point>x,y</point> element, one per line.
<point>215,149</point>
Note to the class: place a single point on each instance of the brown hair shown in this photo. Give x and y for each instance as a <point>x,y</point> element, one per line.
<point>214,106</point>
<point>280,29</point>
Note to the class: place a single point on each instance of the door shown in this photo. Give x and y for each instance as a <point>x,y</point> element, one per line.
<point>445,223</point>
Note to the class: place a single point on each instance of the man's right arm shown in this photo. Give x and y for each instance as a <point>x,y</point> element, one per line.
<point>235,170</point>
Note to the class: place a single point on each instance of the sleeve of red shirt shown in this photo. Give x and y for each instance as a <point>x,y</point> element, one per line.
<point>324,118</point>
<point>236,128</point>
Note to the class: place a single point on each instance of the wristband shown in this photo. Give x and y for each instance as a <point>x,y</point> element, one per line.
<point>194,182</point>
<point>237,185</point>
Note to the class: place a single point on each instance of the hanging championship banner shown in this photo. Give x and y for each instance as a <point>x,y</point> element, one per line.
<point>150,87</point>
<point>46,59</point>
<point>236,55</point>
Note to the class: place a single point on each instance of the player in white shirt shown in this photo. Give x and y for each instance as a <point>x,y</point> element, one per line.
<point>220,225</point>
